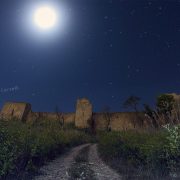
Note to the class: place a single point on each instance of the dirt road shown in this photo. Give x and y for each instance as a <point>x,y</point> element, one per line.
<point>82,162</point>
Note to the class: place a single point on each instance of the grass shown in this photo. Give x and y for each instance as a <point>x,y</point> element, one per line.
<point>139,155</point>
<point>25,147</point>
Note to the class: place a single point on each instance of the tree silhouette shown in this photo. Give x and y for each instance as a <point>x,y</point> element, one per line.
<point>132,102</point>
<point>107,115</point>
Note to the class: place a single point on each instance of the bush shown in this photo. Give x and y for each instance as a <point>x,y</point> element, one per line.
<point>147,151</point>
<point>24,147</point>
<point>172,148</point>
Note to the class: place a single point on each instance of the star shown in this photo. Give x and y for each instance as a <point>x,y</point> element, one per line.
<point>105,17</point>
<point>132,12</point>
<point>149,3</point>
<point>33,94</point>
<point>137,70</point>
<point>160,8</point>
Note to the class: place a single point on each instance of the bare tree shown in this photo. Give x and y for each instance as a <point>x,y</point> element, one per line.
<point>152,115</point>
<point>107,115</point>
<point>60,116</point>
<point>92,124</point>
<point>132,102</point>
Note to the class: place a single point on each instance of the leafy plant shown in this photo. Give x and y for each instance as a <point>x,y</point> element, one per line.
<point>165,104</point>
<point>24,147</point>
<point>147,155</point>
<point>172,148</point>
<point>163,112</point>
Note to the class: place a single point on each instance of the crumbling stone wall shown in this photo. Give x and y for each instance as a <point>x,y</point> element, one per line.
<point>83,116</point>
<point>23,112</point>
<point>176,110</point>
<point>15,110</point>
<point>122,121</point>
<point>64,117</point>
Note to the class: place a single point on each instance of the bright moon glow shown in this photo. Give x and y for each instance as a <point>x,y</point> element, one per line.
<point>45,17</point>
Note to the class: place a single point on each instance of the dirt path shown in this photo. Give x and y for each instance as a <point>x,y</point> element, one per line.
<point>81,162</point>
<point>100,169</point>
<point>58,169</point>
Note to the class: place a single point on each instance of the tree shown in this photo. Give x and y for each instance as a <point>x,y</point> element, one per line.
<point>92,124</point>
<point>152,115</point>
<point>163,110</point>
<point>165,104</point>
<point>132,102</point>
<point>107,115</point>
<point>60,117</point>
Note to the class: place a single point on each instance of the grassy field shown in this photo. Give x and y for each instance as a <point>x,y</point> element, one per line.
<point>154,155</point>
<point>25,147</point>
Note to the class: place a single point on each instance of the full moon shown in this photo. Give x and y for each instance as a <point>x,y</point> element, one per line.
<point>45,17</point>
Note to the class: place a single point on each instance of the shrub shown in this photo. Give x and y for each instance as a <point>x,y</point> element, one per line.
<point>148,152</point>
<point>24,147</point>
<point>172,148</point>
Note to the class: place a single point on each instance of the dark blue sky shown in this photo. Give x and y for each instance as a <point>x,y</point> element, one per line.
<point>108,50</point>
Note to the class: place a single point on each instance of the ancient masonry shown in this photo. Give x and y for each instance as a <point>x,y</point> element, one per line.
<point>84,117</point>
<point>83,113</point>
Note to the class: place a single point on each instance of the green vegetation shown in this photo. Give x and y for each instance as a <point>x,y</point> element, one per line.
<point>24,147</point>
<point>165,105</point>
<point>135,155</point>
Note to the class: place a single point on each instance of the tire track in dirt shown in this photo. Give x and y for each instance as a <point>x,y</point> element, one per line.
<point>100,169</point>
<point>58,168</point>
<point>80,161</point>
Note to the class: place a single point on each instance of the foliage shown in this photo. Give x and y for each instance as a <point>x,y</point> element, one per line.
<point>24,147</point>
<point>148,153</point>
<point>165,104</point>
<point>172,148</point>
<point>132,102</point>
<point>152,115</point>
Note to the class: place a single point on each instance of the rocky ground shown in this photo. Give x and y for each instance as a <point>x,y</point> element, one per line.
<point>82,162</point>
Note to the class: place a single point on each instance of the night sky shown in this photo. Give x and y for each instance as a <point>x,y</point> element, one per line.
<point>105,50</point>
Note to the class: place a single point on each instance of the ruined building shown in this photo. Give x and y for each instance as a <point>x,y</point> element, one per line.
<point>83,117</point>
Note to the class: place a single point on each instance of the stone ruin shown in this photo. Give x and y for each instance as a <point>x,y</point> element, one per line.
<point>82,118</point>
<point>83,113</point>
<point>15,110</point>
<point>22,111</point>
